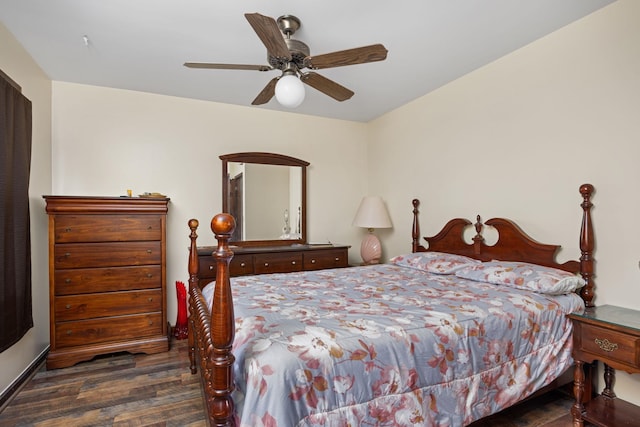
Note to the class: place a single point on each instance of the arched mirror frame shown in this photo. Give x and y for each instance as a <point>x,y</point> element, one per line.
<point>267,159</point>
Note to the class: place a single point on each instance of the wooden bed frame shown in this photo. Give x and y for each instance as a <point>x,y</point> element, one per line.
<point>211,334</point>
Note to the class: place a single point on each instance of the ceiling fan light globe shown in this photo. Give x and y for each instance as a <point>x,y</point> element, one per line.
<point>290,91</point>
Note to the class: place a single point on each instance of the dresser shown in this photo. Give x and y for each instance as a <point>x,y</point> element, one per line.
<point>274,259</point>
<point>611,335</point>
<point>107,277</point>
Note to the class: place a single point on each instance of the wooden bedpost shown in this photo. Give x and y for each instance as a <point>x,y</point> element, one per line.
<point>194,266</point>
<point>415,230</point>
<point>587,244</point>
<point>222,327</point>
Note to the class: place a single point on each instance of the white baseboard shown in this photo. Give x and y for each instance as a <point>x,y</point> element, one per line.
<point>8,393</point>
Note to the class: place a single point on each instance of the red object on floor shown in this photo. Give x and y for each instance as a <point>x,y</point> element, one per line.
<point>181,330</point>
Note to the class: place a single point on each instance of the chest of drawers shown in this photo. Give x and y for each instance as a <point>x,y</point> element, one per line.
<point>275,259</point>
<point>107,258</point>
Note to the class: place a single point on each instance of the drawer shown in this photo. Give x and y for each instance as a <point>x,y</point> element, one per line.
<point>91,280</point>
<point>76,307</point>
<point>610,345</point>
<point>317,260</point>
<point>107,228</point>
<point>240,265</point>
<point>84,332</point>
<point>206,267</point>
<point>82,255</point>
<point>277,263</point>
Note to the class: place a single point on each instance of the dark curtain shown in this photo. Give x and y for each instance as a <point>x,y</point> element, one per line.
<point>15,234</point>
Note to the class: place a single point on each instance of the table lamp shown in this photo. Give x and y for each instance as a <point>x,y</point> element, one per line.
<point>371,214</point>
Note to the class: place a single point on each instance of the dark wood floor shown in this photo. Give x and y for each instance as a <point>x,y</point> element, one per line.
<point>159,390</point>
<point>548,410</point>
<point>118,390</point>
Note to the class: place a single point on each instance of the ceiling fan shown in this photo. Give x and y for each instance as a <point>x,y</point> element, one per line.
<point>293,58</point>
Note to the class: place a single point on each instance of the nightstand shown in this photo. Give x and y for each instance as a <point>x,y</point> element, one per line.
<point>611,335</point>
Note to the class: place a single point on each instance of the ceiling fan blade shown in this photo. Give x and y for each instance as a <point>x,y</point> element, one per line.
<point>267,29</point>
<point>358,55</point>
<point>227,66</point>
<point>267,93</point>
<point>326,86</point>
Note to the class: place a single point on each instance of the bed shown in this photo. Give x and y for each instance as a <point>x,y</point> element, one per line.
<point>444,335</point>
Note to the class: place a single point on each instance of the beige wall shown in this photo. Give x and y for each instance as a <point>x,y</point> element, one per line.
<point>518,137</point>
<point>106,141</point>
<point>16,63</point>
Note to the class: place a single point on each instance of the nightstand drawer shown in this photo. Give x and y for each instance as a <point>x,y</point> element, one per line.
<point>107,228</point>
<point>611,345</point>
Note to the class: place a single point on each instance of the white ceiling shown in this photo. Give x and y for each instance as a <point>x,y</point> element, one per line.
<point>141,44</point>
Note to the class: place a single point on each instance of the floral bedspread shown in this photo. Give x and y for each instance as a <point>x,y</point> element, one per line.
<point>387,345</point>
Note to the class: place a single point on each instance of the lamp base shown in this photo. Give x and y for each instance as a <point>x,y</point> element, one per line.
<point>370,249</point>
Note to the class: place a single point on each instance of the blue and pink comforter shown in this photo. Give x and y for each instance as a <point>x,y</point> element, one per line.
<point>388,345</point>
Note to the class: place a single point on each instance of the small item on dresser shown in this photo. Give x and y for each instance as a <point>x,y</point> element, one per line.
<point>147,195</point>
<point>181,331</point>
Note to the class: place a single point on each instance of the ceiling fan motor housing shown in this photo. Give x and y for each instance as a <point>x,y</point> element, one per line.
<point>299,51</point>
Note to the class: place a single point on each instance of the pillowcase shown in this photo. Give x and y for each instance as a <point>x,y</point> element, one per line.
<point>434,262</point>
<point>522,275</point>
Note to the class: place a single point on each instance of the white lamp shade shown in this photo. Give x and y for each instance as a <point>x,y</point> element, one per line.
<point>372,213</point>
<point>289,91</point>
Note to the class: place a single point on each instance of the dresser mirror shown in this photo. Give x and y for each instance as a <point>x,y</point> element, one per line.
<point>267,195</point>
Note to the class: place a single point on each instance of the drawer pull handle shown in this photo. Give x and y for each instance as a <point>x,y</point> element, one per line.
<point>150,322</point>
<point>67,280</point>
<point>293,263</point>
<point>68,229</point>
<point>148,251</point>
<point>68,306</point>
<point>337,259</point>
<point>266,264</point>
<point>67,254</point>
<point>211,267</point>
<point>149,275</point>
<point>243,265</point>
<point>150,299</point>
<point>149,228</point>
<point>606,345</point>
<point>69,331</point>
<point>313,261</point>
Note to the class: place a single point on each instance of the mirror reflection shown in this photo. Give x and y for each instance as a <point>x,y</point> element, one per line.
<point>266,195</point>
